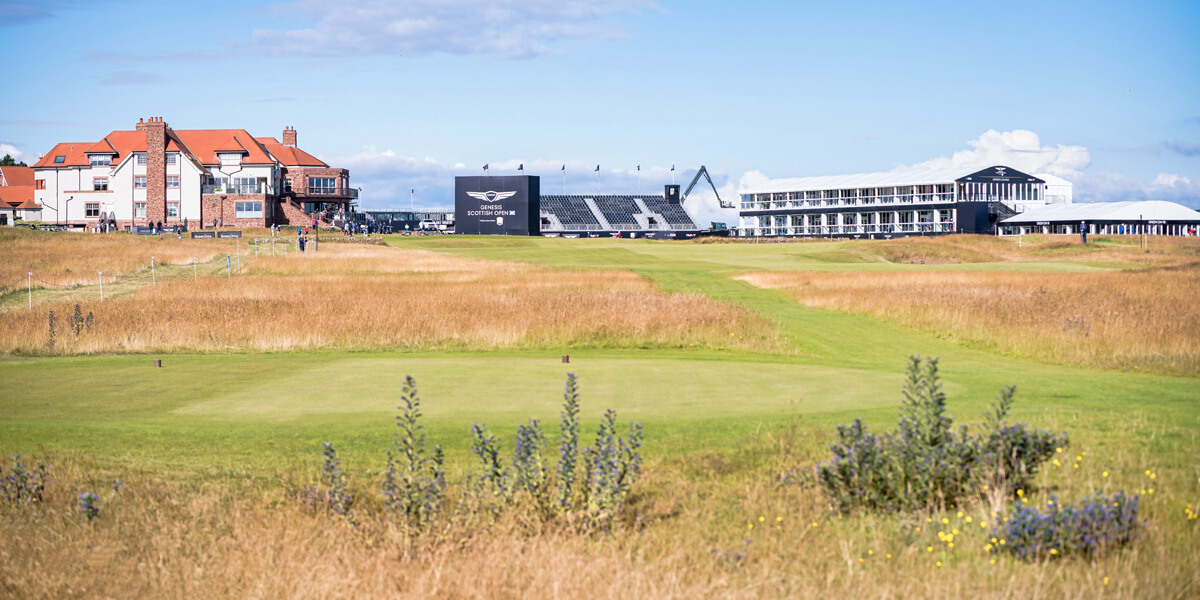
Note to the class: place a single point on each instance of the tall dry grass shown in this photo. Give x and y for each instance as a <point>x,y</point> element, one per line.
<point>1131,320</point>
<point>62,258</point>
<point>956,249</point>
<point>371,297</point>
<point>717,529</point>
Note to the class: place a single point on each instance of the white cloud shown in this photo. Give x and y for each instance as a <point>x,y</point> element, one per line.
<point>1171,180</point>
<point>1112,187</point>
<point>506,28</point>
<point>1020,149</point>
<point>16,154</point>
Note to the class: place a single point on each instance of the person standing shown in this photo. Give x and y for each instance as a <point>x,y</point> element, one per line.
<point>1083,232</point>
<point>300,238</point>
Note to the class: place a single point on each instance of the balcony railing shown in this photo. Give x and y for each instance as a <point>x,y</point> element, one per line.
<point>327,192</point>
<point>232,189</point>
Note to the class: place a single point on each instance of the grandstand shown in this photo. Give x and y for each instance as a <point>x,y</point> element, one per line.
<point>514,205</point>
<point>613,213</point>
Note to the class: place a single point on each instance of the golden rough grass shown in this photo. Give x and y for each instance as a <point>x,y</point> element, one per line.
<point>63,258</point>
<point>956,249</point>
<point>371,297</point>
<point>233,539</point>
<point>1131,320</point>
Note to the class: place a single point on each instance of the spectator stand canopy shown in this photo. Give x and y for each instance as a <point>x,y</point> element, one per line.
<point>1152,217</point>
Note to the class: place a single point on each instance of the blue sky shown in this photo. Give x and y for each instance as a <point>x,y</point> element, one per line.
<point>409,94</point>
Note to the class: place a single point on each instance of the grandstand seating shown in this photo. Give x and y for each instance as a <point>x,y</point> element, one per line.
<point>673,213</point>
<point>571,211</point>
<point>574,212</point>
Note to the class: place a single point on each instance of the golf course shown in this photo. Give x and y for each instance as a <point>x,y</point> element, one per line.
<point>193,398</point>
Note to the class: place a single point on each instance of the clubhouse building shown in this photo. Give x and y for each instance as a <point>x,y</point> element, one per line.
<point>198,177</point>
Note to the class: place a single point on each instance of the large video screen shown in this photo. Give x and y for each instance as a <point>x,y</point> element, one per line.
<point>497,205</point>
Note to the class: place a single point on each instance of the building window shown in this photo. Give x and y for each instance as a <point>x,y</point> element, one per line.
<point>139,158</point>
<point>172,158</point>
<point>139,210</point>
<point>139,182</point>
<point>322,185</point>
<point>91,210</point>
<point>100,184</point>
<point>173,210</point>
<point>173,182</point>
<point>246,185</point>
<point>60,159</point>
<point>39,184</point>
<point>287,186</point>
<point>249,210</point>
<point>229,158</point>
<point>100,160</point>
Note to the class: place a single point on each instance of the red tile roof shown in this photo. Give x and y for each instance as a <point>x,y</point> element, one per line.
<point>202,144</point>
<point>17,197</point>
<point>73,153</point>
<point>17,176</point>
<point>290,156</point>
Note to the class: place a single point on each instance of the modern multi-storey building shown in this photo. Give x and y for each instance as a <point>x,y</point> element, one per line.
<point>196,177</point>
<point>896,203</point>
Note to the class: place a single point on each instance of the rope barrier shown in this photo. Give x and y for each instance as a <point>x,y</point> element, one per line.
<point>142,270</point>
<point>13,284</point>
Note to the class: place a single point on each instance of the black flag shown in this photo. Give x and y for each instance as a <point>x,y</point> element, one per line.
<point>597,168</point>
<point>521,167</point>
<point>485,167</point>
<point>564,167</point>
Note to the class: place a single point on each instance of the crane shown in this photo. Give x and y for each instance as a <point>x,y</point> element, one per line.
<point>696,179</point>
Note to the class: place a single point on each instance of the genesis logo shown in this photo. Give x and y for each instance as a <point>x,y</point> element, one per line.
<point>490,196</point>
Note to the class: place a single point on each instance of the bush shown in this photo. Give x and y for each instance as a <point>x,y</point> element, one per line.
<point>924,464</point>
<point>1091,528</point>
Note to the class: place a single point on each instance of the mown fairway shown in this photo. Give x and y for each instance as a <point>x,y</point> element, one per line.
<point>724,420</point>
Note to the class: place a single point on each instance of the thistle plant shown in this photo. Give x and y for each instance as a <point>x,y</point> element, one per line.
<point>529,464</point>
<point>493,479</point>
<point>613,465</point>
<point>331,475</point>
<point>414,484</point>
<point>51,339</point>
<point>21,485</point>
<point>568,444</point>
<point>89,506</point>
<point>76,320</point>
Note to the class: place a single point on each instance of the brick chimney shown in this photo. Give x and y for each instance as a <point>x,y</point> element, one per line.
<point>156,168</point>
<point>289,136</point>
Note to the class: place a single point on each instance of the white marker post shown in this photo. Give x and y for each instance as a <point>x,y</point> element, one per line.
<point>29,285</point>
<point>101,277</point>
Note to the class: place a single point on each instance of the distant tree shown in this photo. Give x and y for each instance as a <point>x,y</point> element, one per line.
<point>8,161</point>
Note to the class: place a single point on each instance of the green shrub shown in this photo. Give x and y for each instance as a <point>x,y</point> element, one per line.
<point>925,464</point>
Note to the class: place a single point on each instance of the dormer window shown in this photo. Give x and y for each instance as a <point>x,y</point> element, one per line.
<point>100,160</point>
<point>229,158</point>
